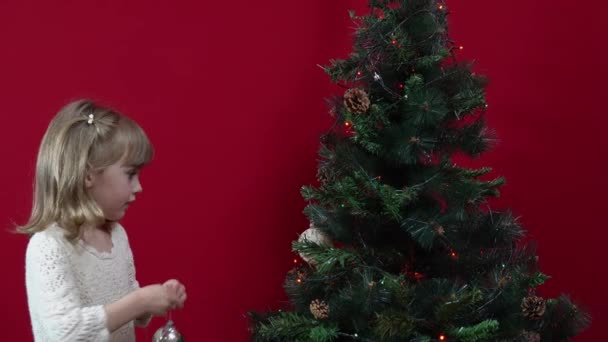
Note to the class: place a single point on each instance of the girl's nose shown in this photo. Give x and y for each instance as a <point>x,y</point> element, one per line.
<point>137,186</point>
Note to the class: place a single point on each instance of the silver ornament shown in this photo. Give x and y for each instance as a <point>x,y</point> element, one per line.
<point>377,77</point>
<point>314,235</point>
<point>168,333</point>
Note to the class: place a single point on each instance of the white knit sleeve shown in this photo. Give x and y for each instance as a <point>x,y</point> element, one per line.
<point>53,296</point>
<point>144,320</point>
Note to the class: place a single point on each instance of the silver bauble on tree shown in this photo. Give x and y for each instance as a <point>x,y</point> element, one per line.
<point>316,235</point>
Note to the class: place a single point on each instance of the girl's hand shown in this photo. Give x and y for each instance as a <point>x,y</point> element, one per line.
<point>177,288</point>
<point>158,299</point>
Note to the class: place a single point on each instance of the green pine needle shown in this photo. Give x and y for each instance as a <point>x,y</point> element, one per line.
<point>480,332</point>
<point>326,258</point>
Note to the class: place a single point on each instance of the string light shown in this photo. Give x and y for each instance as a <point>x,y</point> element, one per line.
<point>299,280</point>
<point>347,124</point>
<point>394,41</point>
<point>295,261</point>
<point>460,47</point>
<point>359,73</point>
<point>442,337</point>
<point>440,7</point>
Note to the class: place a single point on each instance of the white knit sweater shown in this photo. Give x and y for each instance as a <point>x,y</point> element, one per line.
<point>68,285</point>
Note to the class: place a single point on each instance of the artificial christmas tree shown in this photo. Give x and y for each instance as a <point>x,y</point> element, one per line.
<point>403,245</point>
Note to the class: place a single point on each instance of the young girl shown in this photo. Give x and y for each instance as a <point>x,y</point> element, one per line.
<point>80,275</point>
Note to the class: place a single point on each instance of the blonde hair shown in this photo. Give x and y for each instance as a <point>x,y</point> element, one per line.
<point>72,146</point>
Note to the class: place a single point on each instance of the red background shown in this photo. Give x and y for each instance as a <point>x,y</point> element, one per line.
<point>230,94</point>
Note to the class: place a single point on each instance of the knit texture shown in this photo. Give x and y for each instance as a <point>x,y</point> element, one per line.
<point>69,283</point>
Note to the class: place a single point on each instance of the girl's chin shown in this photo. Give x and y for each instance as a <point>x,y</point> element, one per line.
<point>116,216</point>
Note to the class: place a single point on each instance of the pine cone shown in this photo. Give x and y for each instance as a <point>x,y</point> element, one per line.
<point>530,336</point>
<point>533,307</point>
<point>356,101</point>
<point>319,309</point>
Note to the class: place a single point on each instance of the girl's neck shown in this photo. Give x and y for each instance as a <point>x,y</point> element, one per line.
<point>99,237</point>
<point>105,227</point>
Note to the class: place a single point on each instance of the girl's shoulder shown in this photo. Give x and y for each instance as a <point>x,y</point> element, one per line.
<point>48,241</point>
<point>52,240</point>
<point>118,228</point>
<point>119,232</point>
<point>52,232</point>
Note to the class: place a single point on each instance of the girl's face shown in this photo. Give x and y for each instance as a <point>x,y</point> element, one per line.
<point>114,188</point>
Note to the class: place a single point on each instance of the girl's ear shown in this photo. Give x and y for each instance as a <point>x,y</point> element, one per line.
<point>89,179</point>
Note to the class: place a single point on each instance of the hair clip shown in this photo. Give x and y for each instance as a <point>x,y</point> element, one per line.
<point>91,118</point>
